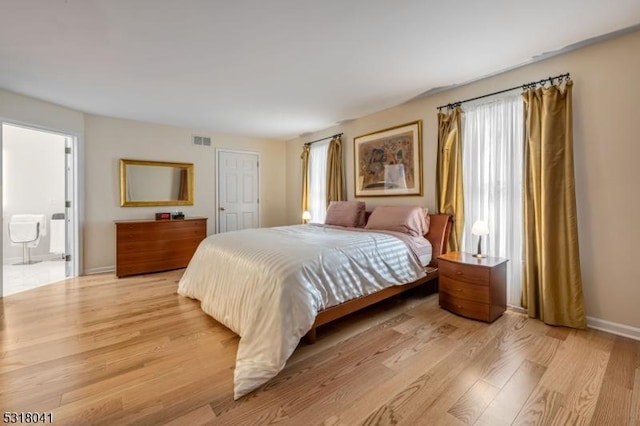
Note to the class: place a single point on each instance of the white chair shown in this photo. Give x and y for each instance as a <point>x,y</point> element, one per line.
<point>26,230</point>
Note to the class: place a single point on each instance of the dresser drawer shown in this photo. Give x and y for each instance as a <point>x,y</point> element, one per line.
<point>458,289</point>
<point>466,273</point>
<point>466,308</point>
<point>156,245</point>
<point>168,229</point>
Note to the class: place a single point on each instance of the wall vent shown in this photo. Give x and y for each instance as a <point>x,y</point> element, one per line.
<point>201,140</point>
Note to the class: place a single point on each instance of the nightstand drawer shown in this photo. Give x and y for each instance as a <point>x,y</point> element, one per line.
<point>473,287</point>
<point>466,308</point>
<point>472,292</point>
<point>467,273</point>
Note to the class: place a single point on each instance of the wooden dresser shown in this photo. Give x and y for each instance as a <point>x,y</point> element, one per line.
<point>144,246</point>
<point>471,287</point>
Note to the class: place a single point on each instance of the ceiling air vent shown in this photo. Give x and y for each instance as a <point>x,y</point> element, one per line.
<point>202,140</point>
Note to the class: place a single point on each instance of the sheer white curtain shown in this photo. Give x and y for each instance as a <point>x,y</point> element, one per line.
<point>492,165</point>
<point>318,181</point>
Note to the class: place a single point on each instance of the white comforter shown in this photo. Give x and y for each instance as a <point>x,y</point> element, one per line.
<point>268,284</point>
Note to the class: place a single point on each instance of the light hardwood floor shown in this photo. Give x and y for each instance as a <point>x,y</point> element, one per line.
<point>98,350</point>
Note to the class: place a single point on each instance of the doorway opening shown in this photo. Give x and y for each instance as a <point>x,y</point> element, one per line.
<point>38,221</point>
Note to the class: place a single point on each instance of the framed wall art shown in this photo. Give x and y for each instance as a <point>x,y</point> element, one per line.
<point>389,162</point>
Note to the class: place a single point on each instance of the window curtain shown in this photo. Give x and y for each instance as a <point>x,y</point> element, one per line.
<point>317,199</point>
<point>305,177</point>
<point>492,162</point>
<point>335,172</point>
<point>552,288</point>
<point>449,188</point>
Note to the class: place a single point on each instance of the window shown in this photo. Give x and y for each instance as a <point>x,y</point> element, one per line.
<point>492,166</point>
<point>318,181</point>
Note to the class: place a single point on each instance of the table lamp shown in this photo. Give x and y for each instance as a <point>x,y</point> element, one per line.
<point>306,216</point>
<point>480,228</point>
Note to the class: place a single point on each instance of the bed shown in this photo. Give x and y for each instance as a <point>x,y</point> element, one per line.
<point>273,286</point>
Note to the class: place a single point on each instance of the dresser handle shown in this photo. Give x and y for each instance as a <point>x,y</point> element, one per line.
<point>459,272</point>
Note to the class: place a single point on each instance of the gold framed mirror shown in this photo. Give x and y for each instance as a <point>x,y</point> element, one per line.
<point>155,183</point>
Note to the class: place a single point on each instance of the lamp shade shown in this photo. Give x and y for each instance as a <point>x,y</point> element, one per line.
<point>306,215</point>
<point>480,227</point>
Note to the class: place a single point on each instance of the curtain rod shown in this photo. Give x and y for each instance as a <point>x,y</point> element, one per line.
<point>526,86</point>
<point>328,137</point>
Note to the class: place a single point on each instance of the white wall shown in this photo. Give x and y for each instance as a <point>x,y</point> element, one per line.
<point>34,181</point>
<point>30,111</point>
<point>109,139</point>
<point>606,134</point>
<point>19,109</point>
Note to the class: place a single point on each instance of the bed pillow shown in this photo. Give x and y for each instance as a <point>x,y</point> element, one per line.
<point>427,219</point>
<point>346,213</point>
<point>410,220</point>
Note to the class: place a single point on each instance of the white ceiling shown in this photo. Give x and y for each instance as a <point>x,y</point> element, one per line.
<point>276,68</point>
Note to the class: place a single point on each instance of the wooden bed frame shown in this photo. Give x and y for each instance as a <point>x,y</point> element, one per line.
<point>438,235</point>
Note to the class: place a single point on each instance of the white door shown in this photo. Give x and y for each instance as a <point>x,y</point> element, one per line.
<point>238,190</point>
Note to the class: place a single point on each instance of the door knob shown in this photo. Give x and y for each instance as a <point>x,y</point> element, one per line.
<point>221,209</point>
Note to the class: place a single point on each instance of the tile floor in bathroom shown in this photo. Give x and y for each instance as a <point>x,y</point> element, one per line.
<point>18,278</point>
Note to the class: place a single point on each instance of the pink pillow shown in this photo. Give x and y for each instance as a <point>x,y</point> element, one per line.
<point>346,213</point>
<point>410,220</point>
<point>427,219</point>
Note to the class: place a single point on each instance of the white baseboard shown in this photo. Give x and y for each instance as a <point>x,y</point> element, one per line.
<point>102,270</point>
<point>614,328</point>
<point>600,324</point>
<point>518,309</point>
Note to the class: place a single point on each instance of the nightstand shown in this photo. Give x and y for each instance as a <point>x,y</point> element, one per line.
<point>473,287</point>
